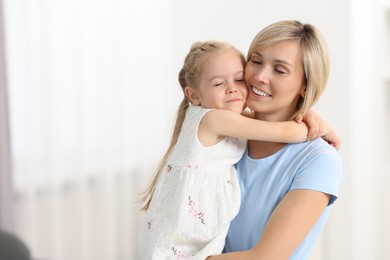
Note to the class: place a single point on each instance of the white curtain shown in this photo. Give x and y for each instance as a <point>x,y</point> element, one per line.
<point>82,76</point>
<point>6,195</point>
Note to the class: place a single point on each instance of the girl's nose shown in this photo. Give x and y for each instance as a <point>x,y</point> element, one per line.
<point>231,90</point>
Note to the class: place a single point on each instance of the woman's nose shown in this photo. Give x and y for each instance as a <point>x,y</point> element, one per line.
<point>262,75</point>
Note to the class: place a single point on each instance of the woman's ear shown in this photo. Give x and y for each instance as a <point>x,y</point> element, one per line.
<point>192,95</point>
<point>303,92</point>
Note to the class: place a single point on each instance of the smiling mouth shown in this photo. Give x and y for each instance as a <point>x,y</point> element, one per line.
<point>260,93</point>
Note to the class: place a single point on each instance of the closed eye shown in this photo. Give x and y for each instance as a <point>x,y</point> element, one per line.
<point>256,62</point>
<point>280,70</point>
<point>256,58</point>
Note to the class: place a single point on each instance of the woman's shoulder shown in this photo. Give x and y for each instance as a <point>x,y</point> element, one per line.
<point>316,146</point>
<point>321,169</point>
<point>317,153</point>
<point>320,146</point>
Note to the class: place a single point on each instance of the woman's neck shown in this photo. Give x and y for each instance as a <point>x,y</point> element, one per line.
<point>262,149</point>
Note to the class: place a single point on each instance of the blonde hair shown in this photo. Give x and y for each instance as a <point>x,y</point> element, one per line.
<point>189,75</point>
<point>314,56</point>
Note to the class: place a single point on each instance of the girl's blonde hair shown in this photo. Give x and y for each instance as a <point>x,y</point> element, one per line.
<point>314,56</point>
<point>189,75</point>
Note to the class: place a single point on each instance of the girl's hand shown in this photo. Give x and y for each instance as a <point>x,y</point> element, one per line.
<point>316,125</point>
<point>332,138</point>
<point>318,128</point>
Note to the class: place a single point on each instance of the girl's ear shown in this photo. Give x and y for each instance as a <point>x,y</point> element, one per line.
<point>192,95</point>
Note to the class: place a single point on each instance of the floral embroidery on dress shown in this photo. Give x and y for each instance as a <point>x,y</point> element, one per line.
<point>149,224</point>
<point>177,253</point>
<point>195,167</point>
<point>194,211</point>
<point>169,168</point>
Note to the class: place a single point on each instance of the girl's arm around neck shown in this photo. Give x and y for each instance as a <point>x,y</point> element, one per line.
<point>223,123</point>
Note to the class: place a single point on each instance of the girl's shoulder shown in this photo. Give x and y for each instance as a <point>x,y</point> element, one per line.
<point>196,111</point>
<point>194,116</point>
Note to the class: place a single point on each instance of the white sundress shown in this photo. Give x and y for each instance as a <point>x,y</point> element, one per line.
<point>195,198</point>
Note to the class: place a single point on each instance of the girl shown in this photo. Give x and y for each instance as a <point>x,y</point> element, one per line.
<point>195,193</point>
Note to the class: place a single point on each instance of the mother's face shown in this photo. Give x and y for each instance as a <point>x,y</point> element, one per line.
<point>275,79</point>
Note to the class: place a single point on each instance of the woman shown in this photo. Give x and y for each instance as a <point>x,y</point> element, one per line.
<point>286,189</point>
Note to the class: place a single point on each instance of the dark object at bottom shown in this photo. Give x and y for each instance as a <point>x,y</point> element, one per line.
<point>12,248</point>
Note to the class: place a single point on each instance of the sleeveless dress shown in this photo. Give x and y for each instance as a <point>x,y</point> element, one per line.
<point>196,197</point>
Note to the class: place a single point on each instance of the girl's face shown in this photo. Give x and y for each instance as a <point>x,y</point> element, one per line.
<point>275,79</point>
<point>222,84</point>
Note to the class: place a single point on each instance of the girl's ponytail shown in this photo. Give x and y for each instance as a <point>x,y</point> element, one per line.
<point>181,113</point>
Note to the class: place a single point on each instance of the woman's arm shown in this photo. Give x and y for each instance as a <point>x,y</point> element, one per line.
<point>287,227</point>
<point>223,123</point>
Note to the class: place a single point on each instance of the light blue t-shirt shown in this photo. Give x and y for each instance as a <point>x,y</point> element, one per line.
<point>263,182</point>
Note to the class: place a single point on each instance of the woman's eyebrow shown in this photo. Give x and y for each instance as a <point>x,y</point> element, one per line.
<point>284,62</point>
<point>276,60</point>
